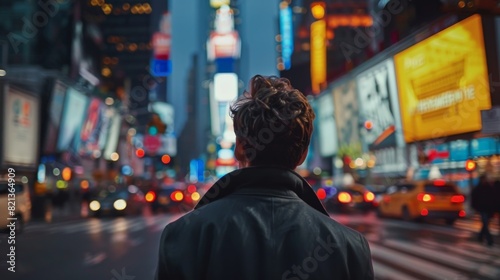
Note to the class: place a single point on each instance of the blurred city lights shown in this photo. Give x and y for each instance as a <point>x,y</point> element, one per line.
<point>84,184</point>
<point>317,171</point>
<point>165,159</point>
<point>114,156</point>
<point>24,180</point>
<point>56,171</point>
<point>318,10</point>
<point>195,196</point>
<point>132,131</point>
<point>66,174</point>
<point>109,101</point>
<point>2,72</point>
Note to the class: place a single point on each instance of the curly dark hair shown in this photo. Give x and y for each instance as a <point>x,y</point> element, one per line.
<point>274,122</point>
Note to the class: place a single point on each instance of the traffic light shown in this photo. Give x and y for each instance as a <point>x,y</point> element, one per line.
<point>140,153</point>
<point>470,165</point>
<point>166,159</point>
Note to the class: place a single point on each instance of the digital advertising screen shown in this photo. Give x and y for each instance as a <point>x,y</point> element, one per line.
<point>113,136</point>
<point>327,131</point>
<point>443,82</point>
<point>20,124</point>
<point>75,107</point>
<point>379,107</point>
<point>346,112</point>
<point>92,127</point>
<point>55,113</point>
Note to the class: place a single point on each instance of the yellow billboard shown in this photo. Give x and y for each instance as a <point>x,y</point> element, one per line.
<point>318,55</point>
<point>443,82</point>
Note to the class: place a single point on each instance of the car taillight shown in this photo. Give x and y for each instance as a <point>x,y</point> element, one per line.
<point>425,197</point>
<point>439,182</point>
<point>177,196</point>
<point>457,198</point>
<point>344,197</point>
<point>461,213</point>
<point>321,193</point>
<point>150,196</point>
<point>369,196</point>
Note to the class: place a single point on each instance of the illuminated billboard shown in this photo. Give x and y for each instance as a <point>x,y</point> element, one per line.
<point>92,128</point>
<point>443,82</point>
<point>75,107</point>
<point>318,55</point>
<point>328,142</point>
<point>55,112</point>
<point>346,113</point>
<point>20,124</point>
<point>380,120</point>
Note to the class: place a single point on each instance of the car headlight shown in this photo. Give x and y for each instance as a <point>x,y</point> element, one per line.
<point>94,205</point>
<point>120,204</point>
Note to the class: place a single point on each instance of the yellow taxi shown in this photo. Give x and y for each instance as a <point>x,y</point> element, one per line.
<point>435,199</point>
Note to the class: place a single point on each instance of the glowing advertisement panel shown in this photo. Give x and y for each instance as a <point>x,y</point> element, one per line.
<point>75,107</point>
<point>113,136</point>
<point>379,106</point>
<point>20,124</point>
<point>346,113</point>
<point>92,127</point>
<point>443,82</point>
<point>328,142</point>
<point>55,112</point>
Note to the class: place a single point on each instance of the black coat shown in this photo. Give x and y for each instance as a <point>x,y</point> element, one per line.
<point>261,223</point>
<point>483,198</point>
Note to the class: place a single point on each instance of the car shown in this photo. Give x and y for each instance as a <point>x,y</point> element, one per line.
<point>346,199</point>
<point>125,201</point>
<point>21,204</point>
<point>424,199</point>
<point>174,197</point>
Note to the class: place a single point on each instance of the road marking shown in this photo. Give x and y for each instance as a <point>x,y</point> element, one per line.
<point>411,263</point>
<point>388,273</point>
<point>440,257</point>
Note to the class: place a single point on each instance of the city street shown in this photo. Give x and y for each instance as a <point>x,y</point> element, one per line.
<point>124,248</point>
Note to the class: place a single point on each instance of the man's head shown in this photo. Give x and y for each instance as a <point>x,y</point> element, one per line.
<point>273,123</point>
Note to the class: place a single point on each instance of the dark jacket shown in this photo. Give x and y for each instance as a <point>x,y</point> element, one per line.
<point>261,223</point>
<point>483,198</point>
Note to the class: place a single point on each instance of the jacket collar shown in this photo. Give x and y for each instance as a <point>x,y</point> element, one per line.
<point>270,177</point>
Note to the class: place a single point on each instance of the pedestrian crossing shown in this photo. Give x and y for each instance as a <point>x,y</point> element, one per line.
<point>426,258</point>
<point>112,225</point>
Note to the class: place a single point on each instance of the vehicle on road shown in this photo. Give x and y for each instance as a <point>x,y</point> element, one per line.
<point>346,199</point>
<point>174,197</point>
<point>126,201</point>
<point>425,199</point>
<point>15,195</point>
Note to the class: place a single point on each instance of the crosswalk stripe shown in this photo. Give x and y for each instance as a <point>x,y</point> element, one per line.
<point>447,259</point>
<point>414,264</point>
<point>454,249</point>
<point>387,273</point>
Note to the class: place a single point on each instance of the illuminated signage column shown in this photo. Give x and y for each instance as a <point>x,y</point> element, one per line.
<point>161,65</point>
<point>318,47</point>
<point>223,48</point>
<point>286,33</point>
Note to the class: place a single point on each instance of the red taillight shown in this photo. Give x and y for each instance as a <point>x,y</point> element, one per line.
<point>344,197</point>
<point>424,212</point>
<point>150,196</point>
<point>176,196</point>
<point>439,182</point>
<point>321,193</point>
<point>191,188</point>
<point>458,198</point>
<point>461,213</point>
<point>369,196</point>
<point>425,197</point>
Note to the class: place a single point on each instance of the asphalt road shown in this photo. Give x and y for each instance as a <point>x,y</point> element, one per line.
<point>125,248</point>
